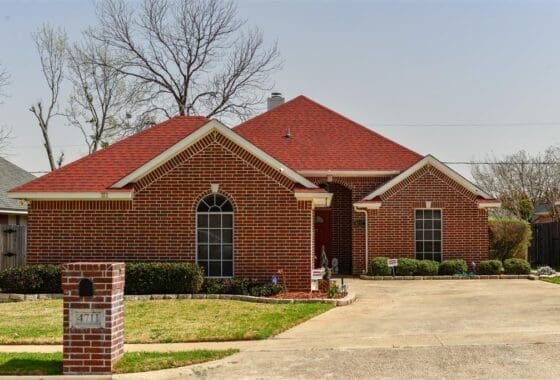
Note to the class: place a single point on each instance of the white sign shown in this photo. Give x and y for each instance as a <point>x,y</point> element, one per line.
<point>317,274</point>
<point>87,318</point>
<point>391,263</point>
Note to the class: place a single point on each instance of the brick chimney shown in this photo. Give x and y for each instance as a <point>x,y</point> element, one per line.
<point>274,100</point>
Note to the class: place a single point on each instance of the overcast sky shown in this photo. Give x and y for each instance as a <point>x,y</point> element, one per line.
<point>456,79</point>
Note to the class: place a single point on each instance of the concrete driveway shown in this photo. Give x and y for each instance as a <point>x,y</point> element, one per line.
<point>416,329</point>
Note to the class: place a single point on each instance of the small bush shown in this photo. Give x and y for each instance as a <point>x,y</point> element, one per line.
<point>517,266</point>
<point>508,238</point>
<point>427,268</point>
<point>451,267</point>
<point>406,267</point>
<point>266,290</point>
<point>378,267</point>
<point>163,278</point>
<point>490,267</point>
<point>241,286</point>
<point>31,279</point>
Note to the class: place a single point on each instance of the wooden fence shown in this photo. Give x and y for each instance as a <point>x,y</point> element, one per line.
<point>545,244</point>
<point>13,245</point>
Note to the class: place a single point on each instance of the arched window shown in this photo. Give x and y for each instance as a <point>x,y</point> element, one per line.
<point>214,236</point>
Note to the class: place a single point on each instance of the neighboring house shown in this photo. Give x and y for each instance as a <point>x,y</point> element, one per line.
<point>542,214</point>
<point>248,201</point>
<point>12,211</point>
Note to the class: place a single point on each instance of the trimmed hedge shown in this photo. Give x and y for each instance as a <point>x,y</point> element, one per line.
<point>406,267</point>
<point>378,267</point>
<point>242,286</point>
<point>163,278</point>
<point>490,267</point>
<point>508,238</point>
<point>517,266</point>
<point>427,268</point>
<point>452,267</point>
<point>31,279</point>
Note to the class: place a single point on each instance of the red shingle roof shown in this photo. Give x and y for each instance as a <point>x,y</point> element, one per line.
<point>98,171</point>
<point>322,139</point>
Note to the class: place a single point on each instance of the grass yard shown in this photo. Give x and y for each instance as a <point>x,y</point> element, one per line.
<point>51,364</point>
<point>554,280</point>
<point>162,321</point>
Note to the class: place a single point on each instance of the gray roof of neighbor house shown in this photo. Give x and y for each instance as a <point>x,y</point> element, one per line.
<point>10,177</point>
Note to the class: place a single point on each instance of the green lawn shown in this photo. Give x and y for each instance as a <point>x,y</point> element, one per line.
<point>51,364</point>
<point>162,321</point>
<point>554,280</point>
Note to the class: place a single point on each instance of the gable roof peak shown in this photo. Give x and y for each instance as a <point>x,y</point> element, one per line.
<point>323,139</point>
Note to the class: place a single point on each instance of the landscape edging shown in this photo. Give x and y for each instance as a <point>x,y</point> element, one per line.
<point>346,300</point>
<point>477,277</point>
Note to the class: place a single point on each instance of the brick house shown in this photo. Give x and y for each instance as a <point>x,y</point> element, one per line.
<point>266,195</point>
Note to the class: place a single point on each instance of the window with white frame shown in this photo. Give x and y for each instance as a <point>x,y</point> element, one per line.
<point>214,236</point>
<point>428,234</point>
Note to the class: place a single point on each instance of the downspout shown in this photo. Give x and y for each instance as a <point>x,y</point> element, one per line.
<point>366,233</point>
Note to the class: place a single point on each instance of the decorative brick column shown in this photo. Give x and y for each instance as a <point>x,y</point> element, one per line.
<point>93,316</point>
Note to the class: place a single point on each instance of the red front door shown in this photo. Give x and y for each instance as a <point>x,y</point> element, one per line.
<point>322,235</point>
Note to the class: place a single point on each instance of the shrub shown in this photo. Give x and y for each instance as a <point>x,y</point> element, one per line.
<point>242,286</point>
<point>546,271</point>
<point>517,266</point>
<point>378,267</point>
<point>490,267</point>
<point>451,267</point>
<point>31,279</point>
<point>508,238</point>
<point>427,268</point>
<point>406,267</point>
<point>163,278</point>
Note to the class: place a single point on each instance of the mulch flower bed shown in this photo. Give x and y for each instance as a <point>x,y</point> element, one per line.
<point>306,295</point>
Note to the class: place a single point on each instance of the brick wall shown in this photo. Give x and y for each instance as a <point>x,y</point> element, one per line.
<point>348,242</point>
<point>93,350</point>
<point>391,228</point>
<point>272,230</point>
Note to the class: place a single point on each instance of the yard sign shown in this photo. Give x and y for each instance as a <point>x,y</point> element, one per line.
<point>391,263</point>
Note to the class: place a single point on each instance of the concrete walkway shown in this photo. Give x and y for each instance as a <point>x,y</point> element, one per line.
<point>415,329</point>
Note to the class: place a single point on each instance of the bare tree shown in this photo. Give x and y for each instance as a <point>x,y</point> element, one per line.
<point>4,82</point>
<point>195,57</point>
<point>103,104</point>
<point>5,132</point>
<point>51,44</point>
<point>522,181</point>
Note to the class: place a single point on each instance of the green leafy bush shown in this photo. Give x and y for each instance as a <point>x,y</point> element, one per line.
<point>427,268</point>
<point>406,267</point>
<point>242,286</point>
<point>31,279</point>
<point>508,238</point>
<point>451,267</point>
<point>378,267</point>
<point>517,266</point>
<point>163,278</point>
<point>490,267</point>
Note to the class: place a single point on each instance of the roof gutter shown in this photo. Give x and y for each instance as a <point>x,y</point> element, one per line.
<point>319,199</point>
<point>101,195</point>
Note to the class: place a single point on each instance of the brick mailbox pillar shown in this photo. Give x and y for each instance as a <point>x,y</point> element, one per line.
<point>93,317</point>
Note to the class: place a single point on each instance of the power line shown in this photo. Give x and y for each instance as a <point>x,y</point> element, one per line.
<point>498,163</point>
<point>467,125</point>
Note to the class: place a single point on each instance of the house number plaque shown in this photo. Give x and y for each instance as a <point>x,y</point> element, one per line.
<point>87,318</point>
